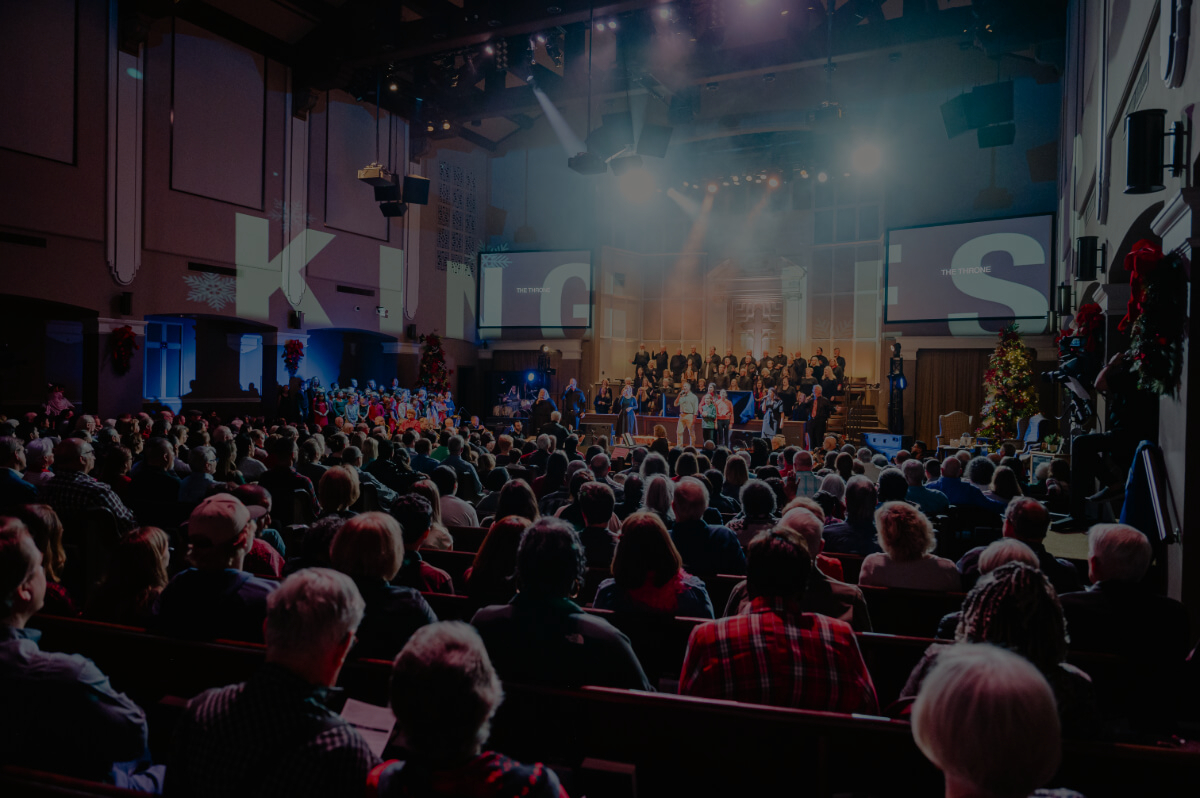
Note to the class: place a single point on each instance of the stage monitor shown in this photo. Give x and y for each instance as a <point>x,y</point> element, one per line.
<point>546,290</point>
<point>991,269</point>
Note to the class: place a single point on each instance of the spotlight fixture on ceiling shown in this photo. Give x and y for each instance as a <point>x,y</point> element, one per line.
<point>489,49</point>
<point>712,188</point>
<point>773,181</point>
<point>393,87</point>
<point>445,124</point>
<point>429,128</point>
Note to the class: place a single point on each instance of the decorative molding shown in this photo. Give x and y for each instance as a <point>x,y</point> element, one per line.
<point>401,348</point>
<point>104,326</point>
<point>281,338</point>
<point>1173,38</point>
<point>1044,345</point>
<point>1113,298</point>
<point>1179,211</point>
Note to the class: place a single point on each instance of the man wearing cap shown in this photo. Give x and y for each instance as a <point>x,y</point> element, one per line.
<point>215,597</point>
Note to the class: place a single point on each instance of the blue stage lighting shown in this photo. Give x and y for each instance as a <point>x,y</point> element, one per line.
<point>531,376</point>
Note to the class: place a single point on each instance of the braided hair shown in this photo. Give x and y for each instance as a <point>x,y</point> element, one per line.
<point>1015,607</point>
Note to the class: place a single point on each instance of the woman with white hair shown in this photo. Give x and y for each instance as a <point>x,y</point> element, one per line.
<point>444,694</point>
<point>539,414</point>
<point>987,718</point>
<point>907,560</point>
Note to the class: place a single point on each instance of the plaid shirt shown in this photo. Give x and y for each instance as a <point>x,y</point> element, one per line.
<point>802,483</point>
<point>75,490</point>
<point>775,654</point>
<point>269,736</point>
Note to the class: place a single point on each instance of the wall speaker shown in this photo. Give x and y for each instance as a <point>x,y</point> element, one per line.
<point>125,303</point>
<point>410,332</point>
<point>416,190</point>
<point>295,319</point>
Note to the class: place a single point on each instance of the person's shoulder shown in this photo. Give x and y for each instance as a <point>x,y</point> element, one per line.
<point>492,615</point>
<point>212,702</point>
<point>874,560</point>
<point>257,587</point>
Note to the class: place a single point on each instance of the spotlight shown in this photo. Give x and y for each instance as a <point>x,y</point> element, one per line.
<point>749,177</point>
<point>393,86</point>
<point>867,158</point>
<point>429,128</point>
<point>489,49</point>
<point>804,173</point>
<point>822,177</point>
<point>773,182</point>
<point>531,376</point>
<point>541,37</point>
<point>445,124</point>
<point>636,185</point>
<point>600,26</point>
<point>664,13</point>
<point>545,348</point>
<point>726,184</point>
<point>612,24</point>
<point>712,188</point>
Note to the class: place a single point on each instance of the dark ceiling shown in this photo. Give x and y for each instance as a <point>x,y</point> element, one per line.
<point>469,66</point>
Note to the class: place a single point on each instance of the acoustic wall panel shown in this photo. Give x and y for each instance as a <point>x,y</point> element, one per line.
<point>218,111</point>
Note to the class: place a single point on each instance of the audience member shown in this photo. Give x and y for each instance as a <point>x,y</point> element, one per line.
<point>1015,607</point>
<point>958,492</point>
<point>368,548</point>
<point>62,714</point>
<point>892,485</point>
<point>455,511</point>
<point>1005,485</point>
<point>542,636</point>
<point>352,457</point>
<point>14,490</point>
<point>47,532</point>
<point>1027,520</point>
<point>338,491</point>
<point>706,549</point>
<point>776,653</point>
<point>758,511</point>
<point>987,719</point>
<point>275,733</point>
<point>490,578</point>
<point>200,482</point>
<point>469,486</point>
<point>136,576</point>
<point>439,536</point>
<point>857,534</point>
<point>930,502</point>
<point>595,506</point>
<point>282,480</point>
<point>414,513</point>
<point>997,553</point>
<point>444,693</point>
<point>907,559</point>
<point>648,574</point>
<point>216,597</point>
<point>72,489</point>
<point>39,456</point>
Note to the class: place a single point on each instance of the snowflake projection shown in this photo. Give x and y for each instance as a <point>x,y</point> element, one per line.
<point>293,216</point>
<point>481,247</point>
<point>494,260</point>
<point>211,289</point>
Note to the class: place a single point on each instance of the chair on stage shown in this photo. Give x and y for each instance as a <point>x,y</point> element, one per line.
<point>951,427</point>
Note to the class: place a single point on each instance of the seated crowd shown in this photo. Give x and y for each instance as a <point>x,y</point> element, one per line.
<point>310,543</point>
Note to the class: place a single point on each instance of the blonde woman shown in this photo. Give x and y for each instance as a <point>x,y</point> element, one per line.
<point>906,537</point>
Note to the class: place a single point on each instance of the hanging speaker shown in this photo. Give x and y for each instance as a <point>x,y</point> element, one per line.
<point>416,190</point>
<point>410,332</point>
<point>494,219</point>
<point>295,319</point>
<point>125,303</point>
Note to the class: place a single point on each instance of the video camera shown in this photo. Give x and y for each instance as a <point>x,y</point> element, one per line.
<point>1074,362</point>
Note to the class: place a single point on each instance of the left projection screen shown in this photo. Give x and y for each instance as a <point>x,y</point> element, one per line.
<point>535,290</point>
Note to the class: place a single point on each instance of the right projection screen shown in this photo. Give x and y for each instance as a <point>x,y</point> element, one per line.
<point>992,269</point>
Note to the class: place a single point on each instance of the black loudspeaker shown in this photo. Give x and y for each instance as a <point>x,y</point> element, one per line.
<point>615,134</point>
<point>997,135</point>
<point>125,303</point>
<point>1089,257</point>
<point>1144,163</point>
<point>387,193</point>
<point>990,104</point>
<point>410,332</point>
<point>295,319</point>
<point>654,140</point>
<point>416,190</point>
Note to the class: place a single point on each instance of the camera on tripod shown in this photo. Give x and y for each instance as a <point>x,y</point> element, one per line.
<point>1074,362</point>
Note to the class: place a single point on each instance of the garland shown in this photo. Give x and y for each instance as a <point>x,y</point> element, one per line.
<point>293,353</point>
<point>122,343</point>
<point>1156,317</point>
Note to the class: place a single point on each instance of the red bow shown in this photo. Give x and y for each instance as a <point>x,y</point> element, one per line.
<point>1140,261</point>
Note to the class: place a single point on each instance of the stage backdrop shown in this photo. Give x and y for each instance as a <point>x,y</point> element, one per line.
<point>947,380</point>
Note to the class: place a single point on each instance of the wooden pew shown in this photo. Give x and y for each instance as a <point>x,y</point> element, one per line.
<point>454,563</point>
<point>19,781</point>
<point>851,565</point>
<point>678,744</point>
<point>909,612</point>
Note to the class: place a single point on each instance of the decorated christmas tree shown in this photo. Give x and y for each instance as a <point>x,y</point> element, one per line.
<point>1009,384</point>
<point>434,374</point>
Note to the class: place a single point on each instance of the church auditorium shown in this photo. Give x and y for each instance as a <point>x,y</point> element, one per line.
<point>598,398</point>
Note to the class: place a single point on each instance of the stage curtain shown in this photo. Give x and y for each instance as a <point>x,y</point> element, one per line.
<point>948,380</point>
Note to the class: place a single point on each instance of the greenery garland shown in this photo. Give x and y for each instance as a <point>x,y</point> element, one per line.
<point>1156,318</point>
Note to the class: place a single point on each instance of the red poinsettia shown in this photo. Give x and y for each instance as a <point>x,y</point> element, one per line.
<point>293,353</point>
<point>122,343</point>
<point>1141,261</point>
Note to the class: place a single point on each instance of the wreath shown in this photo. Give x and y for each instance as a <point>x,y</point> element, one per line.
<point>293,353</point>
<point>1156,317</point>
<point>122,344</point>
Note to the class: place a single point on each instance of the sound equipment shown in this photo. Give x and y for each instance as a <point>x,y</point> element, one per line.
<point>410,332</point>
<point>416,190</point>
<point>885,443</point>
<point>125,303</point>
<point>589,433</point>
<point>997,135</point>
<point>295,319</point>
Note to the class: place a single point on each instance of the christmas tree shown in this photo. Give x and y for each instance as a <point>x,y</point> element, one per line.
<point>1009,385</point>
<point>434,374</point>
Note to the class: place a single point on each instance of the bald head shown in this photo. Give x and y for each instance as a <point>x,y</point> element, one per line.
<point>801,520</point>
<point>952,467</point>
<point>690,499</point>
<point>802,461</point>
<point>74,454</point>
<point>1026,518</point>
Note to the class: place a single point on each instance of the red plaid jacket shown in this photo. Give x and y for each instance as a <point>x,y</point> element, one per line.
<point>775,654</point>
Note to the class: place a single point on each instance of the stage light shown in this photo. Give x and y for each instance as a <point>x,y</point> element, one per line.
<point>867,158</point>
<point>541,37</point>
<point>531,376</point>
<point>749,177</point>
<point>636,185</point>
<point>600,26</point>
<point>726,184</point>
<point>445,125</point>
<point>393,87</point>
<point>804,173</point>
<point>612,24</point>
<point>664,13</point>
<point>545,348</point>
<point>773,182</point>
<point>712,188</point>
<point>429,127</point>
<point>489,49</point>
<point>822,177</point>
